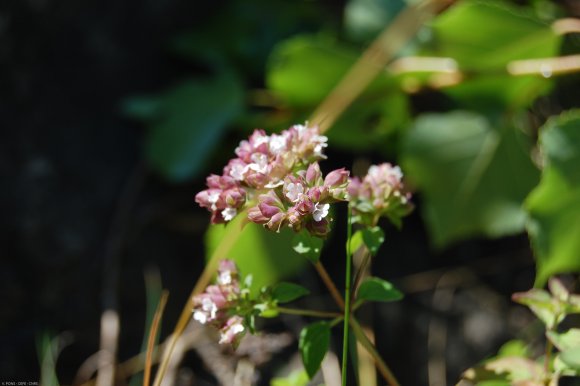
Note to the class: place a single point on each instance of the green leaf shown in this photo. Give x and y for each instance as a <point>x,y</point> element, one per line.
<point>313,345</point>
<point>308,246</point>
<point>558,289</point>
<point>571,358</point>
<point>547,309</point>
<point>565,341</point>
<point>372,238</point>
<point>296,378</point>
<point>286,292</point>
<point>186,123</point>
<point>504,33</point>
<point>473,177</point>
<point>513,348</point>
<point>378,290</point>
<point>304,69</point>
<point>554,206</point>
<point>267,256</point>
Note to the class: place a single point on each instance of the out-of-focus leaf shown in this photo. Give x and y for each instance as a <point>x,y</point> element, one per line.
<point>571,358</point>
<point>313,344</point>
<point>267,256</point>
<point>286,292</point>
<point>513,348</point>
<point>303,70</point>
<point>473,177</point>
<point>558,289</point>
<point>378,290</point>
<point>186,123</point>
<point>365,19</point>
<point>308,246</point>
<point>296,378</point>
<point>554,206</point>
<point>504,33</point>
<point>566,340</point>
<point>548,310</point>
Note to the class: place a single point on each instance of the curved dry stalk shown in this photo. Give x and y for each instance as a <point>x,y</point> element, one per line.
<point>152,334</point>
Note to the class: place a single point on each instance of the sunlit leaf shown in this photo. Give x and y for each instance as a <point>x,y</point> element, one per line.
<point>571,357</point>
<point>566,340</point>
<point>313,345</point>
<point>308,246</point>
<point>378,290</point>
<point>473,177</point>
<point>286,292</point>
<point>554,206</point>
<point>267,256</point>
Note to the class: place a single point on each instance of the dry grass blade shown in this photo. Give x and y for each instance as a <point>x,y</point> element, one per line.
<point>374,60</point>
<point>152,335</point>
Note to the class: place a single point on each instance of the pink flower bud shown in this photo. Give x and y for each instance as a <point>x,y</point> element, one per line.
<point>276,221</point>
<point>232,331</point>
<point>336,178</point>
<point>255,215</point>
<point>318,228</point>
<point>313,174</point>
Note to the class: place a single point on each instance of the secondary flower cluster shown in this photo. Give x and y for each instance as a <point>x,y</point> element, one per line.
<point>263,162</point>
<point>380,193</point>
<point>303,201</point>
<point>217,305</point>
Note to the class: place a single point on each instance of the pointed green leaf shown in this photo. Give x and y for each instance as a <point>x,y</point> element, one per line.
<point>378,290</point>
<point>554,206</point>
<point>186,123</point>
<point>565,341</point>
<point>473,177</point>
<point>313,345</point>
<point>286,292</point>
<point>373,238</point>
<point>571,358</point>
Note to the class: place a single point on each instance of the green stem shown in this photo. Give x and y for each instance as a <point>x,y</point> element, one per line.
<point>347,296</point>
<point>386,373</point>
<point>319,314</point>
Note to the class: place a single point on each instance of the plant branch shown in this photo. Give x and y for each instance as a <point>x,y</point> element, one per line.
<point>329,284</point>
<point>384,370</point>
<point>319,314</point>
<point>152,335</point>
<point>347,295</point>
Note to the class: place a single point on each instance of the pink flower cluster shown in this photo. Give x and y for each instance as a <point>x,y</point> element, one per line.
<point>216,305</point>
<point>302,201</point>
<point>263,162</point>
<point>380,193</point>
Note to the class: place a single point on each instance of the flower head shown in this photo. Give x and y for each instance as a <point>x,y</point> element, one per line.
<point>216,305</point>
<point>380,193</point>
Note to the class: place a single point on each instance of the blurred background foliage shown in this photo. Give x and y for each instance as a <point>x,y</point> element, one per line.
<point>94,90</point>
<point>469,157</point>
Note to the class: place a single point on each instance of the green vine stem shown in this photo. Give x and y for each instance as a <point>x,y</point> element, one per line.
<point>318,314</point>
<point>347,296</point>
<point>386,373</point>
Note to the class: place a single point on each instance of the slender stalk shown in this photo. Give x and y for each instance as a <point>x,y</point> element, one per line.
<point>152,335</point>
<point>233,233</point>
<point>347,296</point>
<point>319,314</point>
<point>329,284</point>
<point>384,370</point>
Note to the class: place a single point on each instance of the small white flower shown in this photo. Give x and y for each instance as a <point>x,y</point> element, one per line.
<point>320,211</point>
<point>294,191</point>
<point>200,316</point>
<point>320,144</point>
<point>225,278</point>
<point>237,171</point>
<point>260,163</point>
<point>260,140</point>
<point>213,198</point>
<point>277,144</point>
<point>209,307</point>
<point>229,213</point>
